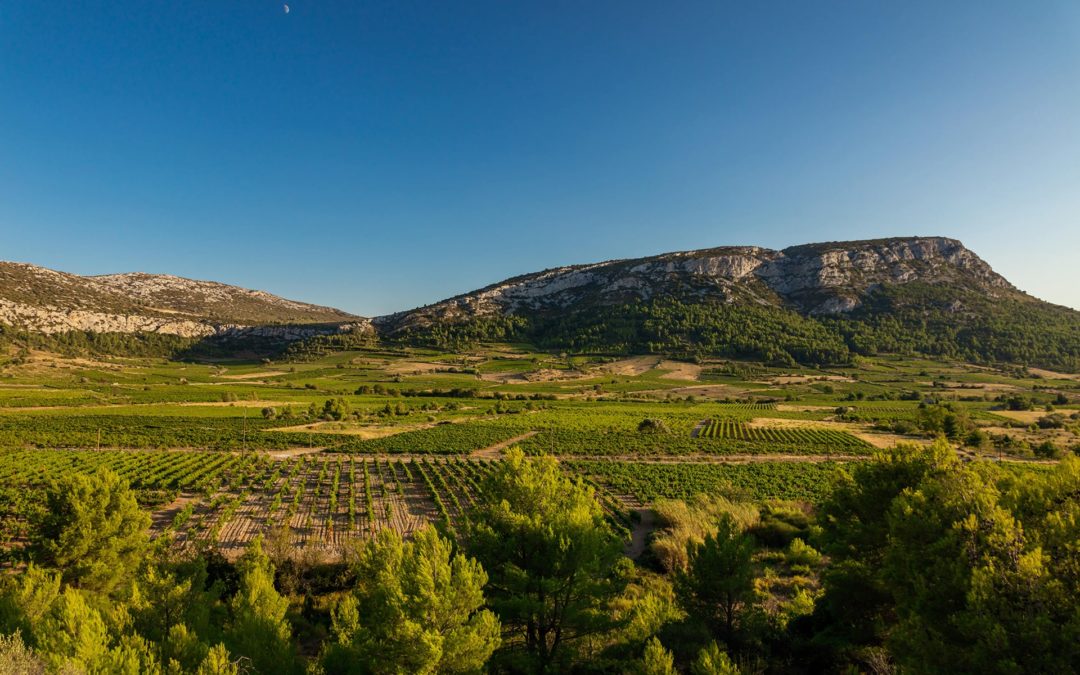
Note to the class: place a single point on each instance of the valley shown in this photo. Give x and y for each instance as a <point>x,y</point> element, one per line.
<point>319,451</point>
<point>769,401</point>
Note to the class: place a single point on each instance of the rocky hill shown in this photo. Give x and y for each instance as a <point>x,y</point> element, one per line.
<point>41,300</point>
<point>812,304</point>
<point>818,303</point>
<point>816,279</point>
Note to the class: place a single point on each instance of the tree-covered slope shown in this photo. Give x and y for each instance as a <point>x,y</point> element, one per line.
<point>816,304</point>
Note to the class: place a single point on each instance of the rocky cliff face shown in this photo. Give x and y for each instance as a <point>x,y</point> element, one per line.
<point>46,301</point>
<point>814,279</point>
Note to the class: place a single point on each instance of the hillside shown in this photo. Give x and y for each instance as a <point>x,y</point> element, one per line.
<point>41,300</point>
<point>812,304</point>
<point>816,303</point>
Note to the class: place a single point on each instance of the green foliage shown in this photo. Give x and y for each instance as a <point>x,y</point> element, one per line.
<point>670,326</point>
<point>173,608</point>
<point>955,322</point>
<point>718,584</point>
<point>550,554</point>
<point>78,343</point>
<point>713,661</point>
<point>801,553</point>
<point>810,481</point>
<point>149,431</point>
<point>258,629</point>
<point>417,608</point>
<point>464,334</point>
<point>74,634</point>
<point>651,425</point>
<point>819,441</point>
<point>682,523</point>
<point>18,659</point>
<point>656,660</point>
<point>92,530</point>
<point>949,565</point>
<point>218,662</point>
<point>26,599</point>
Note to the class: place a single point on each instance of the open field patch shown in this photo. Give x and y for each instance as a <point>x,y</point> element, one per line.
<point>252,376</point>
<point>636,365</point>
<point>679,370</point>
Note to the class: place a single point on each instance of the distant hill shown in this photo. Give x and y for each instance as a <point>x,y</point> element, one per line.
<point>41,300</point>
<point>816,303</point>
<point>813,304</point>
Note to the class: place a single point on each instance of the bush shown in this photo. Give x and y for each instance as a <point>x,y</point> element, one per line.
<point>801,553</point>
<point>1048,450</point>
<point>651,425</point>
<point>1053,421</point>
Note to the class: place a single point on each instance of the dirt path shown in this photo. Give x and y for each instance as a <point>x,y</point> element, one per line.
<point>644,525</point>
<point>495,451</point>
<point>293,452</point>
<point>715,459</point>
<point>163,516</point>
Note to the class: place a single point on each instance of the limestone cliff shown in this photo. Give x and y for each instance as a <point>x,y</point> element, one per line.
<point>814,279</point>
<point>46,301</point>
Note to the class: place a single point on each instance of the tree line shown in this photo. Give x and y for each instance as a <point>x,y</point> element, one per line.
<point>925,564</point>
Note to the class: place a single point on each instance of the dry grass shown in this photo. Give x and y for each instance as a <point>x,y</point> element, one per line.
<point>679,370</point>
<point>364,432</point>
<point>635,365</point>
<point>682,522</point>
<point>1025,416</point>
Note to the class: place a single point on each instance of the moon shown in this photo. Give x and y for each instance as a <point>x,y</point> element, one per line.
<point>286,9</point>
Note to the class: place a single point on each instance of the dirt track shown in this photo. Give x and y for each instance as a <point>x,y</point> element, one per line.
<point>495,451</point>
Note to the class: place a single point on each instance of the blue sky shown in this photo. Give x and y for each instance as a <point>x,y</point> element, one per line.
<point>376,156</point>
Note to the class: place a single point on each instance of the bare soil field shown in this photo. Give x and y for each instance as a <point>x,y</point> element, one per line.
<point>680,370</point>
<point>365,432</point>
<point>803,379</point>
<point>701,391</point>
<point>1025,416</point>
<point>635,365</point>
<point>253,376</point>
<point>1053,375</point>
<point>413,367</point>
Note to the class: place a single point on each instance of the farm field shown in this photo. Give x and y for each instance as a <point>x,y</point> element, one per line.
<point>313,453</point>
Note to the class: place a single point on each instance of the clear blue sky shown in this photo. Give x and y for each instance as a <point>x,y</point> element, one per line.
<point>378,155</point>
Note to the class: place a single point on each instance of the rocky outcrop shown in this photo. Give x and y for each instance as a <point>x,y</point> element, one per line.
<point>46,301</point>
<point>826,278</point>
<point>53,320</point>
<point>816,279</point>
<point>830,278</point>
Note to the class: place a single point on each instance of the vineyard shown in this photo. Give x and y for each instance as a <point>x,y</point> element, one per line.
<point>311,455</point>
<point>146,431</point>
<point>737,430</point>
<point>323,502</point>
<point>224,500</point>
<point>809,481</point>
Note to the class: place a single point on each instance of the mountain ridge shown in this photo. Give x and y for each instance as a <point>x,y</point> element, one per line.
<point>793,273</point>
<point>39,299</point>
<point>822,303</point>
